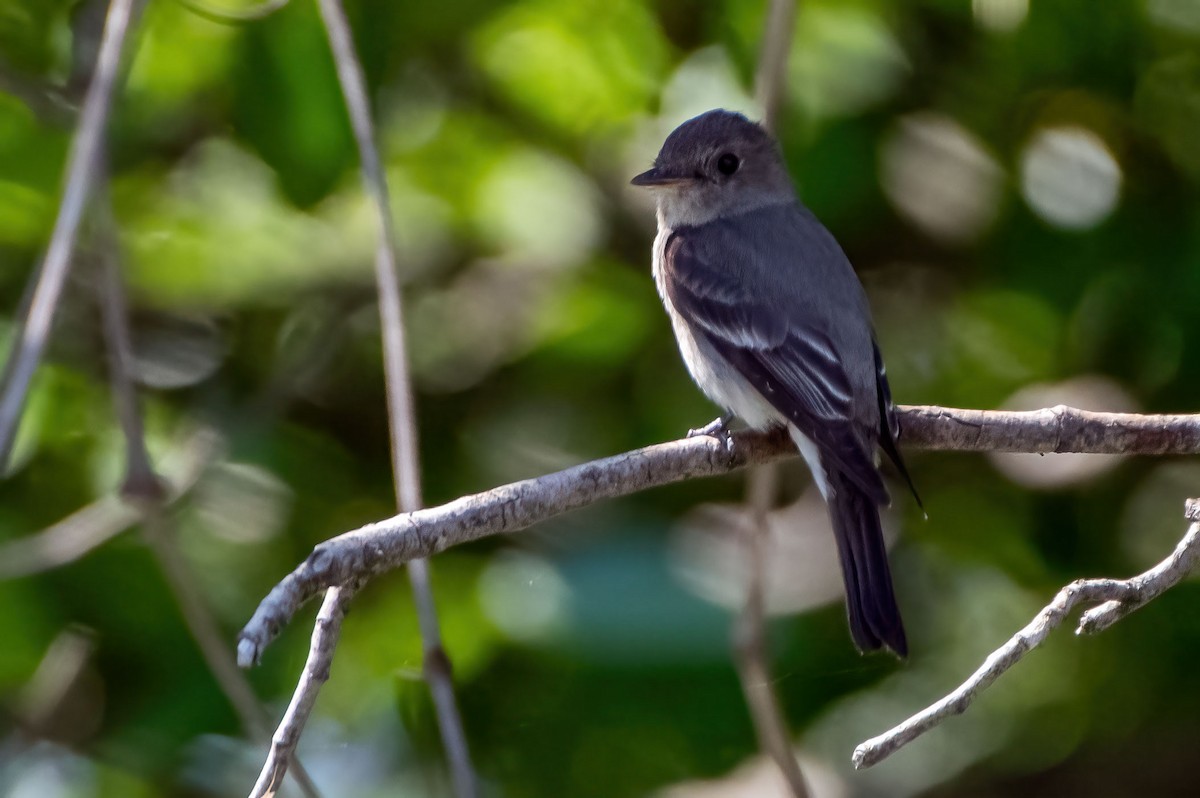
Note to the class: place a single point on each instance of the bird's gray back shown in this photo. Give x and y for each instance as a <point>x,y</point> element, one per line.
<point>787,251</point>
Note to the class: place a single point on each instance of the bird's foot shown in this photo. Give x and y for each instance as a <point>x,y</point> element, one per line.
<point>717,428</point>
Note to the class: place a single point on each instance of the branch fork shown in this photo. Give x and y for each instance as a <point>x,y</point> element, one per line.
<point>1117,598</point>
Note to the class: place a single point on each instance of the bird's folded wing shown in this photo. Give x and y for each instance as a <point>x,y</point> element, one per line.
<point>790,361</point>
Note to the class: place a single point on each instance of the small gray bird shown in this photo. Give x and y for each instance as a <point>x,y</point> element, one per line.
<point>774,327</point>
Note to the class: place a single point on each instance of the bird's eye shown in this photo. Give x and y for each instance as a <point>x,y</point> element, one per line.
<point>728,163</point>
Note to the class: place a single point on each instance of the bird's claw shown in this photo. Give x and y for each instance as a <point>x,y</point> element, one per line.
<point>717,428</point>
<point>713,428</point>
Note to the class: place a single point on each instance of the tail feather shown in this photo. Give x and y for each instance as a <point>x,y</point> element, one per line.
<point>889,427</point>
<point>870,599</point>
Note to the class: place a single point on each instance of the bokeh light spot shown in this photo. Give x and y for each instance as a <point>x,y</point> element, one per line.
<point>1054,471</point>
<point>539,207</point>
<point>1168,104</point>
<point>1069,177</point>
<point>844,59</point>
<point>1000,16</point>
<point>176,351</point>
<point>706,79</point>
<point>524,595</point>
<point>1152,520</point>
<point>708,555</point>
<point>1182,15</point>
<point>940,176</point>
<point>243,503</point>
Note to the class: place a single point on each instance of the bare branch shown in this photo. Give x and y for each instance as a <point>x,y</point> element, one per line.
<point>377,548</point>
<point>1121,597</point>
<point>750,639</point>
<point>401,414</point>
<point>380,547</point>
<point>1056,430</point>
<point>325,635</point>
<point>1148,586</point>
<point>82,160</point>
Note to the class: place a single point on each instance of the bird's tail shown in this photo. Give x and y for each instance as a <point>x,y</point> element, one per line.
<point>870,601</point>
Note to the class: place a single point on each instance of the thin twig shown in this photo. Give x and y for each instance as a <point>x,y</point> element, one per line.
<point>30,341</point>
<point>1148,586</point>
<point>750,638</point>
<point>1120,597</point>
<point>380,547</point>
<point>20,321</point>
<point>401,414</point>
<point>143,488</point>
<point>141,484</point>
<point>209,639</point>
<point>325,635</point>
<point>769,82</point>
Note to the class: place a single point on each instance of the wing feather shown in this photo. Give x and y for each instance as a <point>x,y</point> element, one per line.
<point>790,360</point>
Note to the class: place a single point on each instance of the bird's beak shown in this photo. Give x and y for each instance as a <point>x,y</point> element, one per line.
<point>652,178</point>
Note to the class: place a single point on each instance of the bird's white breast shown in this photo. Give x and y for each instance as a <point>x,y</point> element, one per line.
<point>720,381</point>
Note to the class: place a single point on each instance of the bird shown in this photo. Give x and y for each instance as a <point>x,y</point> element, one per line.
<point>774,327</point>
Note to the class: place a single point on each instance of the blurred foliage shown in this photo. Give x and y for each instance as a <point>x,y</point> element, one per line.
<point>1016,183</point>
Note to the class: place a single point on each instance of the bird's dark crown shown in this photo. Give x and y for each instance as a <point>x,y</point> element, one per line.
<point>700,137</point>
<point>716,165</point>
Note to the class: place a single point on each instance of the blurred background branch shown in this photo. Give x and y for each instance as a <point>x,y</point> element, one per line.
<point>402,419</point>
<point>750,650</point>
<point>82,162</point>
<point>145,490</point>
<point>749,635</point>
<point>89,527</point>
<point>771,76</point>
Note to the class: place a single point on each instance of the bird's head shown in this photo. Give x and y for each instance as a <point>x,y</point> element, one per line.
<point>716,165</point>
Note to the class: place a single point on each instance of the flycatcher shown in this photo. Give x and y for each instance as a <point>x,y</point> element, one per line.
<point>774,326</point>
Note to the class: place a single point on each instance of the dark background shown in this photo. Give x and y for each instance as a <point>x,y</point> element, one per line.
<point>1016,184</point>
